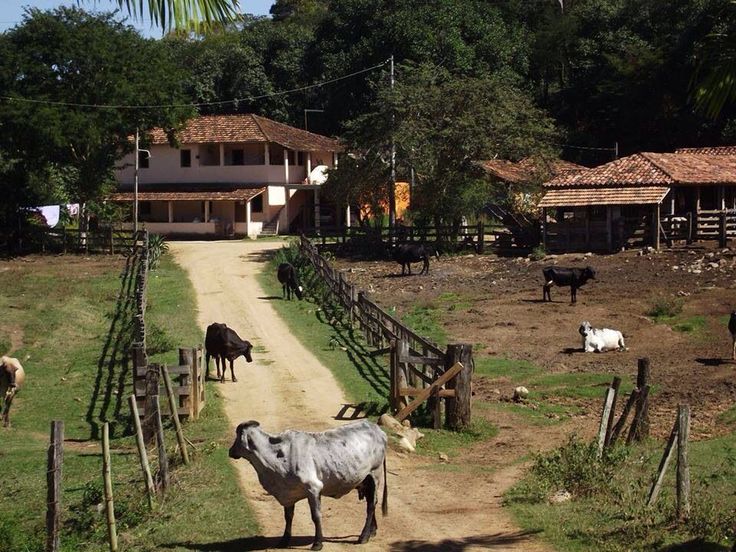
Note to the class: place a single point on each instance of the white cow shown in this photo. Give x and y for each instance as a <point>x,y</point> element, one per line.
<point>599,340</point>
<point>294,465</point>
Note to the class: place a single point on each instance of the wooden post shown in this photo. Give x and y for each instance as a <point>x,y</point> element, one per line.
<point>683,467</point>
<point>112,532</point>
<point>618,428</point>
<point>722,234</point>
<point>635,432</point>
<point>53,486</point>
<point>642,381</point>
<point>481,238</point>
<point>112,241</point>
<point>393,375</point>
<point>152,384</point>
<point>436,407</point>
<point>605,418</point>
<point>655,227</point>
<point>186,358</point>
<point>401,376</point>
<point>63,240</point>
<point>142,453</point>
<point>666,457</point>
<point>457,408</point>
<point>615,385</point>
<point>196,397</point>
<point>163,460</point>
<point>175,414</point>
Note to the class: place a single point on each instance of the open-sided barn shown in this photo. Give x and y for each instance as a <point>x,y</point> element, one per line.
<point>643,199</point>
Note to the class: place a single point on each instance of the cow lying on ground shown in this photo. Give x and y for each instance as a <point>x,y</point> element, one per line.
<point>408,253</point>
<point>12,377</point>
<point>295,465</point>
<point>289,283</point>
<point>223,343</point>
<point>573,277</point>
<point>598,340</point>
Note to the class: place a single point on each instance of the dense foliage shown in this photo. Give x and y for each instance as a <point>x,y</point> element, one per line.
<point>474,80</point>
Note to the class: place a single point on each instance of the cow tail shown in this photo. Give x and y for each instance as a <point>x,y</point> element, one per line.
<point>384,502</point>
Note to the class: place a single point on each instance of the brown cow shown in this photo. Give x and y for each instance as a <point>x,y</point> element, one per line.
<point>12,377</point>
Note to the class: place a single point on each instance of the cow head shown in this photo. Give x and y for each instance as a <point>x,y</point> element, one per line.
<point>589,273</point>
<point>584,328</point>
<point>243,444</point>
<point>246,351</point>
<point>299,292</point>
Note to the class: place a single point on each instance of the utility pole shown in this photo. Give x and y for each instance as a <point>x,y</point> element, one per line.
<point>615,150</point>
<point>135,183</point>
<point>392,185</point>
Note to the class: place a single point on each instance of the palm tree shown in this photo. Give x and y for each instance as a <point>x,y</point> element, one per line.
<point>193,15</point>
<point>715,79</point>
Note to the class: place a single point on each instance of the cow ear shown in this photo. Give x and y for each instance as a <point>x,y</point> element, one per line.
<point>275,440</point>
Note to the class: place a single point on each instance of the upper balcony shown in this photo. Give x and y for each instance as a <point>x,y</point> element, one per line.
<point>247,163</point>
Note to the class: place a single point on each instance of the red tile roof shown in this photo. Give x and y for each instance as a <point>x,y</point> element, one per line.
<point>191,194</point>
<point>720,150</point>
<point>246,128</point>
<point>580,197</point>
<point>640,169</point>
<point>528,169</point>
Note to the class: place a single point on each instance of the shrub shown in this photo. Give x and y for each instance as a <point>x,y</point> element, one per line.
<point>157,340</point>
<point>666,307</point>
<point>538,253</point>
<point>157,246</point>
<point>575,467</point>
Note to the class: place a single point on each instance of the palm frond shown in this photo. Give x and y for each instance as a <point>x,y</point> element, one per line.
<point>193,15</point>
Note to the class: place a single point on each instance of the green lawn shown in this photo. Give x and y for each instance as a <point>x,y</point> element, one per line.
<point>75,337</point>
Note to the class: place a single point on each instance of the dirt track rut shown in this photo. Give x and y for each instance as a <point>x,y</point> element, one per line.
<point>287,387</point>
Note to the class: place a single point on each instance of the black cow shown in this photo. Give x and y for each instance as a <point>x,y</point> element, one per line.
<point>573,277</point>
<point>408,253</point>
<point>732,329</point>
<point>289,283</point>
<point>223,343</point>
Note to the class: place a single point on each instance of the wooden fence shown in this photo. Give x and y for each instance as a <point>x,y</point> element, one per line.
<point>419,368</point>
<point>187,376</point>
<point>36,239</point>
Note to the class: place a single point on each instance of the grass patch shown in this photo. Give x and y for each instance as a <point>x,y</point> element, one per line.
<point>76,336</point>
<point>451,442</point>
<point>426,321</point>
<point>665,306</point>
<point>607,511</point>
<point>535,412</point>
<point>496,367</point>
<point>728,417</point>
<point>325,332</point>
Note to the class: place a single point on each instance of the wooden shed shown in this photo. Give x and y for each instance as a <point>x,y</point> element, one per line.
<point>643,199</point>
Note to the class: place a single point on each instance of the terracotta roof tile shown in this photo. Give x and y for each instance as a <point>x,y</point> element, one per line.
<point>720,150</point>
<point>246,128</point>
<point>528,169</point>
<point>189,193</point>
<point>634,170</point>
<point>696,168</point>
<point>580,197</point>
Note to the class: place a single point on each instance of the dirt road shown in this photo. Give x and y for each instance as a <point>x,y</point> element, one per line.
<point>287,387</point>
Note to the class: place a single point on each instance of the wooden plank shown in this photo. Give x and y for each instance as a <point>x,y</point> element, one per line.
<point>429,360</point>
<point>683,463</point>
<point>618,428</point>
<point>173,407</point>
<point>666,457</point>
<point>142,453</point>
<point>444,378</point>
<point>605,416</point>
<point>112,533</point>
<point>416,391</point>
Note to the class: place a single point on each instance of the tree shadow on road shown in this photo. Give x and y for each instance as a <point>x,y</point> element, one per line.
<point>459,545</point>
<point>260,542</point>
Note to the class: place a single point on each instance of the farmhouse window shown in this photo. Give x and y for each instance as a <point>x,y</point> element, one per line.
<point>256,204</point>
<point>240,211</point>
<point>237,157</point>
<point>300,158</point>
<point>143,159</point>
<point>277,154</point>
<point>186,157</point>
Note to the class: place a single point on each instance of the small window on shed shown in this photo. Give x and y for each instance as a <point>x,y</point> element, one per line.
<point>186,157</point>
<point>143,159</point>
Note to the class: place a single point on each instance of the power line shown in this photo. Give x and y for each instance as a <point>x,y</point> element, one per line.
<point>200,104</point>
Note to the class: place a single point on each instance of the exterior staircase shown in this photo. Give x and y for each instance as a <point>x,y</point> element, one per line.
<point>270,228</point>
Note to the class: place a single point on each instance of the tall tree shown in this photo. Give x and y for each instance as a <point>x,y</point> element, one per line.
<point>67,56</point>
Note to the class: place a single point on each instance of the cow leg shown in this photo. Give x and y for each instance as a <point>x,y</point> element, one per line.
<point>315,509</point>
<point>368,488</point>
<point>9,395</point>
<point>207,363</point>
<point>733,347</point>
<point>573,294</point>
<point>425,266</point>
<point>288,517</point>
<point>232,372</point>
<point>221,375</point>
<point>409,265</point>
<point>546,293</point>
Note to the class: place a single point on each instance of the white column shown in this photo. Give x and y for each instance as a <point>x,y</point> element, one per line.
<point>206,211</point>
<point>722,193</point>
<point>334,159</point>
<point>309,164</point>
<point>171,211</point>
<point>316,208</point>
<point>286,166</point>
<point>247,218</point>
<point>347,216</point>
<point>222,155</point>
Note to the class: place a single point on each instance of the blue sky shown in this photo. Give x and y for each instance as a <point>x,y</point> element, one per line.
<point>11,11</point>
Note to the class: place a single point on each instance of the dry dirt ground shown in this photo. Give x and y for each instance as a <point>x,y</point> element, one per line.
<point>495,304</point>
<point>287,387</point>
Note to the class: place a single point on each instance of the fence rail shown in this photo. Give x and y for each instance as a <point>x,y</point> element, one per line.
<point>36,239</point>
<point>418,367</point>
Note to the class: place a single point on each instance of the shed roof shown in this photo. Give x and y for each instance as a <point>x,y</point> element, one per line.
<point>581,197</point>
<point>528,169</point>
<point>246,128</point>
